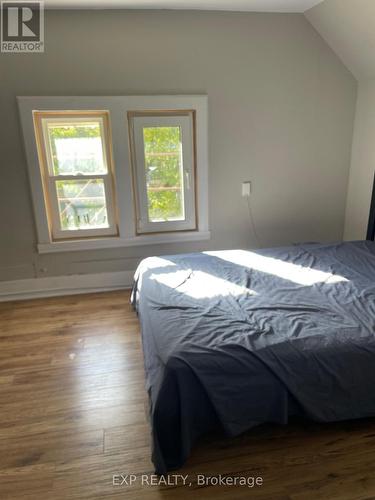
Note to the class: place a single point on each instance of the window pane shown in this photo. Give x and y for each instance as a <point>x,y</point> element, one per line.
<point>76,148</point>
<point>82,204</point>
<point>164,173</point>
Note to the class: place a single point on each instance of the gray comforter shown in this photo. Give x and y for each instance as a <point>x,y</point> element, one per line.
<point>236,338</point>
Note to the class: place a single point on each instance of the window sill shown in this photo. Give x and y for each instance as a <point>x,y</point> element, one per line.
<point>100,243</point>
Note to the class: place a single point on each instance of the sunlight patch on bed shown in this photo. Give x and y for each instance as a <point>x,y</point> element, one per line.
<point>286,270</point>
<point>200,285</point>
<point>157,262</point>
<point>150,264</point>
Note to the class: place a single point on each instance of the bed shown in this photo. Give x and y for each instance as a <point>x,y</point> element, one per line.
<point>236,338</point>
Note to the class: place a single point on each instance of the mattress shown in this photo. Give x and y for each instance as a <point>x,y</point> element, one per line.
<point>236,338</point>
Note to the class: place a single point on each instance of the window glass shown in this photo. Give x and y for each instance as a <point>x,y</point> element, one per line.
<point>76,148</point>
<point>82,204</point>
<point>164,173</point>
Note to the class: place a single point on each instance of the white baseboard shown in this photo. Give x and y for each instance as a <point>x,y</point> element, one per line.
<point>64,285</point>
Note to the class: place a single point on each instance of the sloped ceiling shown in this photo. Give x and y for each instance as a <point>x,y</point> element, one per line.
<point>233,5</point>
<point>348,26</point>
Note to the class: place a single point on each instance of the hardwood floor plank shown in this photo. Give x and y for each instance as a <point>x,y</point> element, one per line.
<point>127,437</point>
<point>73,412</point>
<point>54,447</point>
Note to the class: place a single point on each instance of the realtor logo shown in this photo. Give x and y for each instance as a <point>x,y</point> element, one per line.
<point>22,26</point>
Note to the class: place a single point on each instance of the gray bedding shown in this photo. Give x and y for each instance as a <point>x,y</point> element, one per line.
<point>236,338</point>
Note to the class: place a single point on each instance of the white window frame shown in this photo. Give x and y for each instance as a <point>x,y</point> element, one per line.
<point>41,121</point>
<point>118,108</point>
<point>185,121</point>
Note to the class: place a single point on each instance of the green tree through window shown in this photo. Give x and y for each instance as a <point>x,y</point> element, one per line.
<point>163,163</point>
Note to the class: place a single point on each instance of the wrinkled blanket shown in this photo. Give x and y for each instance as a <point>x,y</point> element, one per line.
<point>236,338</point>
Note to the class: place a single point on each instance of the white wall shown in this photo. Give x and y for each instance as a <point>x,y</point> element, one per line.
<point>363,164</point>
<point>281,107</point>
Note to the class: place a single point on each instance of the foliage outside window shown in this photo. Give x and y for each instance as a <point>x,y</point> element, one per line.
<point>164,170</point>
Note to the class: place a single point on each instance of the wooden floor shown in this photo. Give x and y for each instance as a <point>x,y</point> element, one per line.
<point>73,414</point>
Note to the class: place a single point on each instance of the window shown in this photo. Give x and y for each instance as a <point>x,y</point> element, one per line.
<point>162,150</point>
<point>116,171</point>
<point>75,159</point>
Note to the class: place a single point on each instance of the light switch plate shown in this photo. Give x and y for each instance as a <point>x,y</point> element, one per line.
<point>246,188</point>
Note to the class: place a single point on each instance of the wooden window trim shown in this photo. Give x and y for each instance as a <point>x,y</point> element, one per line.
<point>137,210</point>
<point>57,234</point>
